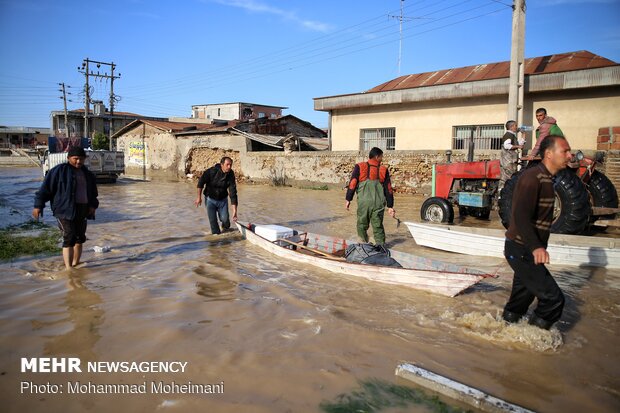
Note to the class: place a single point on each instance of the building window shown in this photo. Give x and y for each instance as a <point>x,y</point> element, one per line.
<point>261,114</point>
<point>384,138</point>
<point>219,112</point>
<point>485,136</point>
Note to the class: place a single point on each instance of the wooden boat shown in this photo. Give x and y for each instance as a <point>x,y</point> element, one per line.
<point>574,250</point>
<point>327,252</point>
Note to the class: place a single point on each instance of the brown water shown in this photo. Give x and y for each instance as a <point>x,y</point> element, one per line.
<point>280,336</point>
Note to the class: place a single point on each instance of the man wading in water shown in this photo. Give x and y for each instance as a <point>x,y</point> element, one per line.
<point>527,236</point>
<point>72,191</point>
<point>218,183</point>
<point>371,181</point>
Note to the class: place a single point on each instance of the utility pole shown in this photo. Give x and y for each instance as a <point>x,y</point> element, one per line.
<point>517,63</point>
<point>89,73</point>
<point>84,70</point>
<point>112,99</point>
<point>400,18</point>
<point>64,99</point>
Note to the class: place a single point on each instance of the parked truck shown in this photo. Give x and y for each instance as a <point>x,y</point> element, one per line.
<point>106,165</point>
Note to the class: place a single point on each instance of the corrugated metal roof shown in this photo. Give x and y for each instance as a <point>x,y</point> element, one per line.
<point>537,65</point>
<point>177,128</point>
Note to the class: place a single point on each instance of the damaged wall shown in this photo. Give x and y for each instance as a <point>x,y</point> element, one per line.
<point>154,152</point>
<point>411,171</point>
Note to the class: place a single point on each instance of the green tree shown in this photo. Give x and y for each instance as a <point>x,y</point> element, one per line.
<point>100,141</point>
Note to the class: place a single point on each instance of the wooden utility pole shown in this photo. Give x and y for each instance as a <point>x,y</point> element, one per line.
<point>517,63</point>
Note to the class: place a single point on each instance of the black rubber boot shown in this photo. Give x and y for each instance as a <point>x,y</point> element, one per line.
<point>511,317</point>
<point>540,322</point>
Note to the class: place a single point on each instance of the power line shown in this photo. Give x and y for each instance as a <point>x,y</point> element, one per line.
<point>316,57</point>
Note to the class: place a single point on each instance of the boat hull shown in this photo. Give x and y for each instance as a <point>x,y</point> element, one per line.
<point>573,250</point>
<point>429,275</point>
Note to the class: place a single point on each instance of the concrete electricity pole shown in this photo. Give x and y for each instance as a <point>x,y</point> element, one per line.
<point>64,99</point>
<point>517,63</point>
<point>84,69</point>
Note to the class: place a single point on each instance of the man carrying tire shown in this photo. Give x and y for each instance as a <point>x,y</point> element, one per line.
<point>527,236</point>
<point>371,182</point>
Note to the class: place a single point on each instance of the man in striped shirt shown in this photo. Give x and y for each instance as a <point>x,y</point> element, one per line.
<point>527,236</point>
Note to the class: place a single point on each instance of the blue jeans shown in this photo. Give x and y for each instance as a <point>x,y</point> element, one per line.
<point>217,209</point>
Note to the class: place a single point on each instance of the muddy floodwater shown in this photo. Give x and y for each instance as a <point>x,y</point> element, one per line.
<point>276,335</point>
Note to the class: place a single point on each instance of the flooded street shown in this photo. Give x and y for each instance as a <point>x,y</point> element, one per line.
<point>282,337</point>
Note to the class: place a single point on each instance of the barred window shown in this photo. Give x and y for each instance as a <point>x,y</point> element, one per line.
<point>383,138</point>
<point>485,136</point>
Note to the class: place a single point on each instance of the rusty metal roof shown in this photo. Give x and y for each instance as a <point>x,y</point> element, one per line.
<point>537,65</point>
<point>177,128</point>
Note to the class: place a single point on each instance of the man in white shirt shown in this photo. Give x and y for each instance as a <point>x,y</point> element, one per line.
<point>509,156</point>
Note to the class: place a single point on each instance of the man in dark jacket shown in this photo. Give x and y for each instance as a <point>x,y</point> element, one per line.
<point>527,236</point>
<point>72,191</point>
<point>218,183</point>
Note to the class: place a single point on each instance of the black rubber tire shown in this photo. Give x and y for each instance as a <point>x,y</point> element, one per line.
<point>436,209</point>
<point>571,198</point>
<point>603,194</point>
<point>574,208</point>
<point>463,211</point>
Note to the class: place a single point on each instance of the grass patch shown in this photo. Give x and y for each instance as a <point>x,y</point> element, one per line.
<point>375,395</point>
<point>29,238</point>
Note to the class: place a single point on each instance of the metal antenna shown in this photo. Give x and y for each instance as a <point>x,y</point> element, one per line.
<point>400,18</point>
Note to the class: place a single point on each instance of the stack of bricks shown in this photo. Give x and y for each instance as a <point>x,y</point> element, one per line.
<point>608,138</point>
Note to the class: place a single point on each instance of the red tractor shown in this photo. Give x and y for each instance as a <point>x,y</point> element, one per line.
<point>471,186</point>
<point>582,194</point>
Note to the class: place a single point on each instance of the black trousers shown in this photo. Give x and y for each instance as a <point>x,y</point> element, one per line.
<point>74,230</point>
<point>532,281</point>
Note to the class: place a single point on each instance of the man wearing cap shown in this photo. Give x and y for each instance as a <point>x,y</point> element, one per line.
<point>72,191</point>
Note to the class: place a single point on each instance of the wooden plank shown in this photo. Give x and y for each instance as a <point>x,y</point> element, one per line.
<point>604,211</point>
<point>456,390</point>
<point>300,245</point>
<point>607,222</point>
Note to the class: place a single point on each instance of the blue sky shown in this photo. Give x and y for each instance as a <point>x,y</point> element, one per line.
<point>173,54</point>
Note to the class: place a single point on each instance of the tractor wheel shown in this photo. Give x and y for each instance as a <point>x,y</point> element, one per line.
<point>603,193</point>
<point>572,205</point>
<point>437,209</point>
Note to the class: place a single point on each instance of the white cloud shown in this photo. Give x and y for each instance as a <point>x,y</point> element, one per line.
<point>259,7</point>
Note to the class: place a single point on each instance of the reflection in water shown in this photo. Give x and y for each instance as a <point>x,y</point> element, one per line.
<point>85,314</point>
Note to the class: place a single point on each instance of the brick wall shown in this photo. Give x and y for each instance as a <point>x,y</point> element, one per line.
<point>608,138</point>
